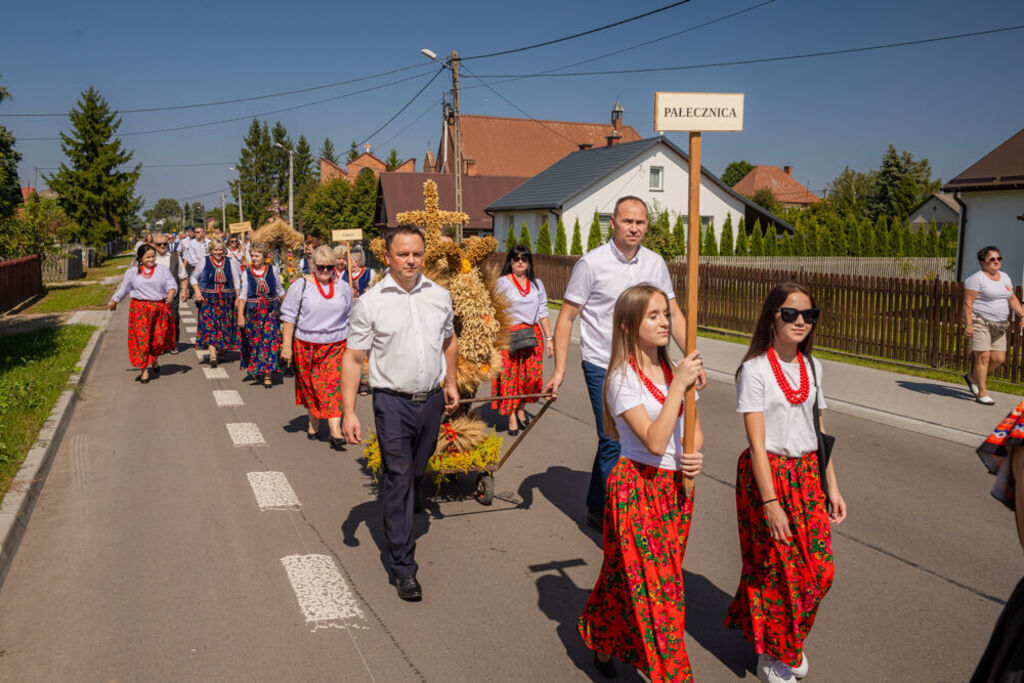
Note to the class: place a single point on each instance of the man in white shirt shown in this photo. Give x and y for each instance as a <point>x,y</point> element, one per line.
<point>194,250</point>
<point>172,260</point>
<point>406,324</point>
<point>598,279</point>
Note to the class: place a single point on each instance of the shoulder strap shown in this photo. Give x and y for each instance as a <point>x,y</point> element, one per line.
<point>302,295</point>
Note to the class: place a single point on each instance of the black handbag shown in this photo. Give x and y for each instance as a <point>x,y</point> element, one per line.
<point>826,442</point>
<point>520,340</point>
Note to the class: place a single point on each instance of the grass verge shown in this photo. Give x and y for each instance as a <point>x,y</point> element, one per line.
<point>34,368</point>
<point>63,298</point>
<point>112,266</point>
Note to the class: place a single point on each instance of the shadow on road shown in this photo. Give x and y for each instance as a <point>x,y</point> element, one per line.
<point>369,513</point>
<point>706,605</point>
<point>564,488</point>
<point>173,369</point>
<point>297,424</point>
<point>936,390</point>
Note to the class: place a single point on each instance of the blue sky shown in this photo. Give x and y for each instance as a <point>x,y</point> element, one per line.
<point>951,102</point>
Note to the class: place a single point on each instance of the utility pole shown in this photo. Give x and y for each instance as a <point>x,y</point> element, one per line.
<point>458,140</point>
<point>223,213</point>
<point>291,189</point>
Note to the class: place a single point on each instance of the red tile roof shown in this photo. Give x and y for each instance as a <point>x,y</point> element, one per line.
<point>500,146</point>
<point>783,186</point>
<point>404,192</point>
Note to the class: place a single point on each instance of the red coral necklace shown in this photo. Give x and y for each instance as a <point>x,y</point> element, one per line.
<point>330,290</point>
<point>523,291</point>
<point>651,386</point>
<point>143,273</point>
<point>794,396</point>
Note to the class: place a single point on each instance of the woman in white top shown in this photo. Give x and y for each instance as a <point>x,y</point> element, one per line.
<point>784,523</point>
<point>522,370</point>
<point>636,610</point>
<point>988,298</point>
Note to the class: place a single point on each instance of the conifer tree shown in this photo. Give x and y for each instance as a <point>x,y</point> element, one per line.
<point>947,239</point>
<point>757,239</point>
<point>916,243</point>
<point>771,240</point>
<point>327,208</point>
<point>577,240</point>
<point>353,152</point>
<point>798,244</point>
<point>594,238</point>
<point>931,242</point>
<point>327,151</point>
<point>742,246</point>
<point>543,239</point>
<point>524,237</point>
<point>871,247</point>
<point>710,246</point>
<point>304,166</point>
<point>785,244</point>
<point>896,245</point>
<point>560,248</point>
<point>726,248</point>
<point>881,234</point>
<point>255,173</point>
<point>679,235</point>
<point>510,239</point>
<point>856,237</point>
<point>10,186</point>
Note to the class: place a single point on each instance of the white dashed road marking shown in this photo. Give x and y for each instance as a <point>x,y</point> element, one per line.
<point>324,598</point>
<point>190,328</point>
<point>227,398</point>
<point>245,434</point>
<point>201,355</point>
<point>272,491</point>
<point>215,373</point>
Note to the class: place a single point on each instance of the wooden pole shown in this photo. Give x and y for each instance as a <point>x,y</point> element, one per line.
<point>692,253</point>
<point>348,266</point>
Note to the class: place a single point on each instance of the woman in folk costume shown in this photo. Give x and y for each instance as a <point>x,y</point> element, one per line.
<point>636,611</point>
<point>315,315</point>
<point>215,284</point>
<point>150,326</point>
<point>522,369</point>
<point>236,251</point>
<point>259,304</point>
<point>784,523</point>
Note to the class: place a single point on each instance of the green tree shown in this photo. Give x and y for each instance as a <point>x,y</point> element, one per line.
<point>94,192</point>
<point>165,208</point>
<point>915,241</point>
<point>771,240</point>
<point>353,152</point>
<point>327,208</point>
<point>735,172</point>
<point>524,237</point>
<point>544,239</point>
<point>756,239</point>
<point>594,237</point>
<point>710,245</point>
<point>560,241</point>
<point>659,235</point>
<point>10,186</point>
<point>231,211</point>
<point>364,202</point>
<point>679,235</point>
<point>798,243</point>
<point>726,248</point>
<point>742,247</point>
<point>895,192</point>
<point>880,237</point>
<point>510,239</point>
<point>393,161</point>
<point>948,233</point>
<point>851,191</point>
<point>255,173</point>
<point>765,198</point>
<point>577,240</point>
<point>305,167</point>
<point>41,227</point>
<point>785,244</point>
<point>279,136</point>
<point>327,151</point>
<point>198,214</point>
<point>896,245</point>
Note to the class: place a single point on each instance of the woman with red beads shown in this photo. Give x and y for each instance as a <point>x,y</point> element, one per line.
<point>784,522</point>
<point>636,610</point>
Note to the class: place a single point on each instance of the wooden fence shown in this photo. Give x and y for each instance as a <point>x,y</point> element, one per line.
<point>20,279</point>
<point>918,322</point>
<point>916,268</point>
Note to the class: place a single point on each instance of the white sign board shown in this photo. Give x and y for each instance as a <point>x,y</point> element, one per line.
<point>698,111</point>
<point>347,235</point>
<point>244,226</point>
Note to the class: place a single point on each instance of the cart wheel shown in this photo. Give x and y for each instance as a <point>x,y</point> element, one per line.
<point>485,488</point>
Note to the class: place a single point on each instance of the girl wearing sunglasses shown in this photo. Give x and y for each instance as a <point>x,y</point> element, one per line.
<point>784,525</point>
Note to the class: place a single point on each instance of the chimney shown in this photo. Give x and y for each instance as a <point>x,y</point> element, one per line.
<point>585,145</point>
<point>613,139</point>
<point>617,112</point>
<point>788,170</point>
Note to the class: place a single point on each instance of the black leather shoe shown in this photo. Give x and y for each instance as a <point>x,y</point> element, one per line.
<point>155,369</point>
<point>606,669</point>
<point>338,443</point>
<point>312,436</point>
<point>409,589</point>
<point>595,520</point>
<point>513,432</point>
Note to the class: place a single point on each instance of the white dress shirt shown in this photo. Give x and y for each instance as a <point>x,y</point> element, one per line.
<point>404,332</point>
<point>598,279</point>
<point>165,261</point>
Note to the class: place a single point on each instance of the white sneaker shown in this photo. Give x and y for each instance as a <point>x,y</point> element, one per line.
<point>771,670</point>
<point>986,400</point>
<point>800,671</point>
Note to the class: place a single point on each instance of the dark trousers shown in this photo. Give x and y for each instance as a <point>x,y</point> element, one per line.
<point>407,433</point>
<point>608,449</point>
<point>176,314</point>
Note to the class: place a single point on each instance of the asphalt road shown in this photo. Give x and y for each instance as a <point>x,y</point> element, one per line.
<point>149,558</point>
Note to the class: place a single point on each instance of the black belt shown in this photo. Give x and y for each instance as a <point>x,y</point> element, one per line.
<point>419,397</point>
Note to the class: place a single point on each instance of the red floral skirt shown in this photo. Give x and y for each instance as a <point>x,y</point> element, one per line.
<point>637,608</point>
<point>318,377</point>
<point>150,331</point>
<point>781,585</point>
<point>522,372</point>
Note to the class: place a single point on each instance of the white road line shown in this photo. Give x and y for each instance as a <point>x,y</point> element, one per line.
<point>190,328</point>
<point>245,434</point>
<point>192,339</point>
<point>324,598</point>
<point>201,355</point>
<point>227,397</point>
<point>215,373</point>
<point>272,491</point>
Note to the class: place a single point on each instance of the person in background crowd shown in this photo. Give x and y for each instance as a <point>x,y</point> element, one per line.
<point>361,275</point>
<point>172,261</point>
<point>143,239</point>
<point>407,326</point>
<point>195,250</point>
<point>522,370</point>
<point>235,251</point>
<point>306,262</point>
<point>341,269</point>
<point>988,298</point>
<point>781,505</point>
<point>215,285</point>
<point>259,302</point>
<point>150,326</point>
<point>597,281</point>
<point>315,314</point>
<point>637,608</point>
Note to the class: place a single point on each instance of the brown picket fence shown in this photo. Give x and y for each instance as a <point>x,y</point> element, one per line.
<point>20,279</point>
<point>917,322</point>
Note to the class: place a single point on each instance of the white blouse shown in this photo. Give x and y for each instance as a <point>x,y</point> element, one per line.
<point>530,308</point>
<point>788,429</point>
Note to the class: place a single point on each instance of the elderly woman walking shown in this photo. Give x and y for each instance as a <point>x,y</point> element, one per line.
<point>150,326</point>
<point>315,315</point>
<point>988,298</point>
<point>259,303</point>
<point>215,284</point>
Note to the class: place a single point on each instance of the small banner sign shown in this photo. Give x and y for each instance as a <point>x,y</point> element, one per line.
<point>244,226</point>
<point>347,235</point>
<point>698,111</point>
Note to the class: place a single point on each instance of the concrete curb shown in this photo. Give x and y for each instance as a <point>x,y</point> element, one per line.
<point>20,499</point>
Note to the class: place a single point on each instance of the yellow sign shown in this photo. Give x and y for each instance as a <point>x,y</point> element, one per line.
<point>244,226</point>
<point>698,111</point>
<point>347,235</point>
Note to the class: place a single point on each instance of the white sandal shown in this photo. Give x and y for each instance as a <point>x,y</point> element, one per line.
<point>986,400</point>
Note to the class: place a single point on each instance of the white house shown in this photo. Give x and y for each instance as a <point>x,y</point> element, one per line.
<point>592,180</point>
<point>991,198</point>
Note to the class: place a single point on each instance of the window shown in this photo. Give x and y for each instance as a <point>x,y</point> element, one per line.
<point>605,219</point>
<point>656,176</point>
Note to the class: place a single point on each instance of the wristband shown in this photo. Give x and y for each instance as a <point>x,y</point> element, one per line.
<point>770,500</point>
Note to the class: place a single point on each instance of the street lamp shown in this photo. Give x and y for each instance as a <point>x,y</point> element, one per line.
<point>291,184</point>
<point>232,168</point>
<point>452,64</point>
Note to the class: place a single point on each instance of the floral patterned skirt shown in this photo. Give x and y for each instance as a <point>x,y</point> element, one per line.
<point>637,608</point>
<point>261,337</point>
<point>996,450</point>
<point>217,318</point>
<point>318,377</point>
<point>522,372</point>
<point>150,331</point>
<point>781,585</point>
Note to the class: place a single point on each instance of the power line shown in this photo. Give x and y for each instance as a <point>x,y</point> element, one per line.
<point>406,106</point>
<point>205,194</point>
<point>409,125</point>
<point>577,35</point>
<point>145,165</point>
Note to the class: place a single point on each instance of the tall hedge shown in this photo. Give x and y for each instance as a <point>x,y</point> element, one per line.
<point>510,239</point>
<point>594,238</point>
<point>543,240</point>
<point>524,237</point>
<point>742,247</point>
<point>577,240</point>
<point>710,246</point>
<point>725,246</point>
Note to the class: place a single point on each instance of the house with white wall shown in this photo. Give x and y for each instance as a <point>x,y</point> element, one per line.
<point>653,169</point>
<point>991,198</point>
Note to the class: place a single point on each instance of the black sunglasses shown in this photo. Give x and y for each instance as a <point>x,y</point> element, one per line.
<point>522,258</point>
<point>995,259</point>
<point>789,315</point>
<point>324,269</point>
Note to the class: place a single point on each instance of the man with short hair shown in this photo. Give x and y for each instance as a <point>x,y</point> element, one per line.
<point>195,250</point>
<point>597,280</point>
<point>172,260</point>
<point>406,325</point>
